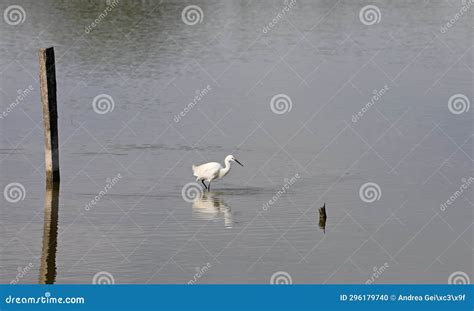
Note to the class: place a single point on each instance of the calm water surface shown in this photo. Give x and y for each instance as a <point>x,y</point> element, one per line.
<point>153,65</point>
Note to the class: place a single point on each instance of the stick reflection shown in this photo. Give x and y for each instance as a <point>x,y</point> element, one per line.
<point>50,235</point>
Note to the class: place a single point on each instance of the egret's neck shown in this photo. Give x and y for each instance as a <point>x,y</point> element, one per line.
<point>225,170</point>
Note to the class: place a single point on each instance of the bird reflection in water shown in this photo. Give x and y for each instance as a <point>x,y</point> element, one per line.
<point>211,207</point>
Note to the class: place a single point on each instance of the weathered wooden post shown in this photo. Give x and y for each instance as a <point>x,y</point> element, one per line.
<point>50,114</point>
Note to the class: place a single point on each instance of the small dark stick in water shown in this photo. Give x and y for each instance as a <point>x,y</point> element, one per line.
<point>322,218</point>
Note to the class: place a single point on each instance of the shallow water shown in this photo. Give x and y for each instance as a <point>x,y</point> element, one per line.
<point>153,65</point>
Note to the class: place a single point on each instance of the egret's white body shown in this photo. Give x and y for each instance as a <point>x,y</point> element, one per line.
<point>213,170</point>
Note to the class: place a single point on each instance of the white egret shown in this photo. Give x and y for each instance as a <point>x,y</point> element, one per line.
<point>213,170</point>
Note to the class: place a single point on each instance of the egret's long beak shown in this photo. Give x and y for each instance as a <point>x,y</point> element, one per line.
<point>238,162</point>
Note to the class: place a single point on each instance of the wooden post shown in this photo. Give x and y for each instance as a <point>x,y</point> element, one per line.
<point>322,218</point>
<point>47,274</point>
<point>50,114</point>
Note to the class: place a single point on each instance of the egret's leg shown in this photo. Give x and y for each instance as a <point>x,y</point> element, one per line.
<point>202,180</point>
<point>209,187</point>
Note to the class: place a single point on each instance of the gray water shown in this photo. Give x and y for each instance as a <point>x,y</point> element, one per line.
<point>320,55</point>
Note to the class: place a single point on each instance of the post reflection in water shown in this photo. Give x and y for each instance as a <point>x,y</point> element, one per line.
<point>210,207</point>
<point>50,235</point>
